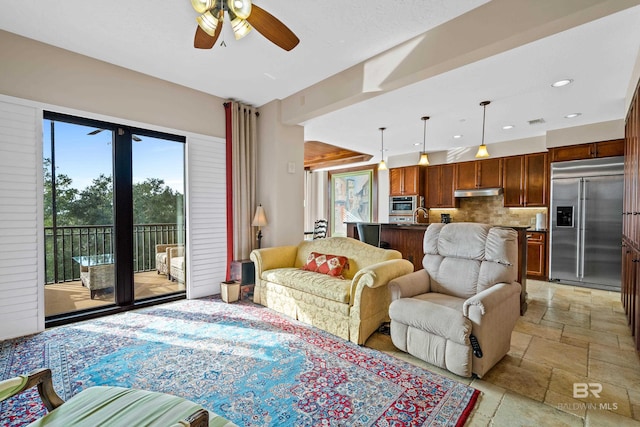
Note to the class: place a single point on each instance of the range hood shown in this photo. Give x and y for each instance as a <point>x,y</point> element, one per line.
<point>478,192</point>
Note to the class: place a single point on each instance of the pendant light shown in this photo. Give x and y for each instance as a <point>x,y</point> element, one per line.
<point>382,166</point>
<point>482,149</point>
<point>424,159</point>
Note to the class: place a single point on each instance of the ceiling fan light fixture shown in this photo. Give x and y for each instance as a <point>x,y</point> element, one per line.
<point>208,22</point>
<point>424,158</point>
<point>240,27</point>
<point>240,8</point>
<point>482,149</point>
<point>202,6</point>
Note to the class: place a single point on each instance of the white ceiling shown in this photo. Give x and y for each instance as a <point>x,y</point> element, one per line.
<point>156,38</point>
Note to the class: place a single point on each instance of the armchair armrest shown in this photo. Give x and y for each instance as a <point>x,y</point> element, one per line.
<point>164,246</point>
<point>39,377</point>
<point>379,274</point>
<point>410,285</point>
<point>175,251</point>
<point>491,298</point>
<point>270,258</point>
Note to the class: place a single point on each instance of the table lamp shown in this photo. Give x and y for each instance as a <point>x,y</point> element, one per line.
<point>259,220</point>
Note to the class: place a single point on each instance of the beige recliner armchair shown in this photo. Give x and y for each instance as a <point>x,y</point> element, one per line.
<point>467,289</point>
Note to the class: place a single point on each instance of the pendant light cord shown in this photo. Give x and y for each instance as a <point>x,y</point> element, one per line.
<point>424,136</point>
<point>484,112</point>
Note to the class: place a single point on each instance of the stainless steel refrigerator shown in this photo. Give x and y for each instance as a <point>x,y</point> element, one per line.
<point>586,222</point>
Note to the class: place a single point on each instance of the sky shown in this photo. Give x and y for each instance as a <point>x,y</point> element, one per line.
<point>84,157</point>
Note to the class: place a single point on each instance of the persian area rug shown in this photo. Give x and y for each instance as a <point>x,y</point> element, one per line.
<point>245,362</point>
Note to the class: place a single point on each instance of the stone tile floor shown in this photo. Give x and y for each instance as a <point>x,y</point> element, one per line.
<point>568,335</point>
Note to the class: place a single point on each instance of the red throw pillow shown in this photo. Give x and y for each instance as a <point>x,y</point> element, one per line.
<point>326,264</point>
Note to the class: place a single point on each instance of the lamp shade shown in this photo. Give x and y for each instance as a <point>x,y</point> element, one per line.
<point>259,219</point>
<point>482,152</point>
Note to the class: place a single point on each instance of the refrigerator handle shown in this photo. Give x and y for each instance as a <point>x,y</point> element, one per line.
<point>576,225</point>
<point>583,221</point>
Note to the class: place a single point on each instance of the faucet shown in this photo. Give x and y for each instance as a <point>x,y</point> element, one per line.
<point>425,213</point>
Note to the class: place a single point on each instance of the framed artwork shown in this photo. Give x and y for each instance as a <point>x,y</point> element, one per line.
<point>351,199</point>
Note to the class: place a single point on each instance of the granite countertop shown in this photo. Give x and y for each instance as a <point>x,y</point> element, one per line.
<point>397,224</point>
<point>424,225</point>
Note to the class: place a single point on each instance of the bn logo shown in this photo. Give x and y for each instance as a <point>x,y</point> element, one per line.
<point>582,390</point>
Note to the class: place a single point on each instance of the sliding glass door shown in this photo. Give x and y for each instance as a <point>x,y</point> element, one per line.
<point>158,216</point>
<point>114,216</point>
<point>78,217</point>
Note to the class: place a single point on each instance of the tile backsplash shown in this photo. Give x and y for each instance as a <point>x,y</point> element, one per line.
<point>489,210</point>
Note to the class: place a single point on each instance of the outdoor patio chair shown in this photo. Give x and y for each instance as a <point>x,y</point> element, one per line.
<point>162,257</point>
<point>97,277</point>
<point>176,263</point>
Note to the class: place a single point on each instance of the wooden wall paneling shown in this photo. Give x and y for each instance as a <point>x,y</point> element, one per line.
<point>631,223</point>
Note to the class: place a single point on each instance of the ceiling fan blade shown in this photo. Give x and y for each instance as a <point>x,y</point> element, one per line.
<point>270,27</point>
<point>203,40</point>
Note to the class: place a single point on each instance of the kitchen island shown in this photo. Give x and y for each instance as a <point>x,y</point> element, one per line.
<point>407,239</point>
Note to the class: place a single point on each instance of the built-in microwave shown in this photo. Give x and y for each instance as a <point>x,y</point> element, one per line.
<point>403,205</point>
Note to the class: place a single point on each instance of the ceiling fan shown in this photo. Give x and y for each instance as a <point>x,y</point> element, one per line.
<point>244,16</point>
<point>97,131</point>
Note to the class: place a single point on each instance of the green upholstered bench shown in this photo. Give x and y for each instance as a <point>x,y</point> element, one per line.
<point>111,406</point>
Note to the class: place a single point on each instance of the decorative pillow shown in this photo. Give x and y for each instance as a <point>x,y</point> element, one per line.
<point>326,264</point>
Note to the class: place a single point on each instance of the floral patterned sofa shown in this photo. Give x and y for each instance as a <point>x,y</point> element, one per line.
<point>351,304</point>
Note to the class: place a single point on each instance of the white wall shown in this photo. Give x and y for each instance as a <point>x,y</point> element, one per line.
<point>315,198</point>
<point>280,186</point>
<point>40,72</point>
<point>604,131</point>
<point>633,84</point>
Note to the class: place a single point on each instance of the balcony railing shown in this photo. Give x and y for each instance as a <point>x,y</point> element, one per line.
<point>65,243</point>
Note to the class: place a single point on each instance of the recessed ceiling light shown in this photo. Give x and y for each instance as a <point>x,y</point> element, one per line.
<point>416,144</point>
<point>507,127</point>
<point>572,115</point>
<point>457,136</point>
<point>561,83</point>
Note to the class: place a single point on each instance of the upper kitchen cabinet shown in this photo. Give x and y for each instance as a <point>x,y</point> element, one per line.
<point>406,181</point>
<point>588,151</point>
<point>479,174</point>
<point>439,186</point>
<point>525,180</point>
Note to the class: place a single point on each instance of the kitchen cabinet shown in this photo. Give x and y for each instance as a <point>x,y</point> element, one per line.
<point>479,174</point>
<point>588,151</point>
<point>525,180</point>
<point>406,181</point>
<point>537,255</point>
<point>439,187</point>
